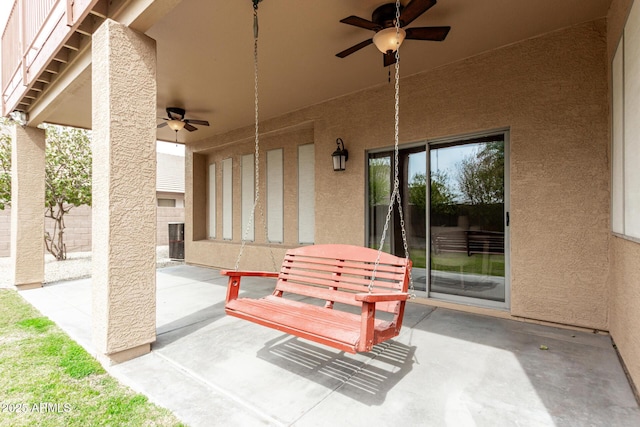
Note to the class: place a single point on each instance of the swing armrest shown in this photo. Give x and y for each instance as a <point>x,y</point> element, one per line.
<point>233,286</point>
<point>234,273</point>
<point>381,297</point>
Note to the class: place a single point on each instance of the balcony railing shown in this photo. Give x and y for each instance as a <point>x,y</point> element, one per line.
<point>36,31</point>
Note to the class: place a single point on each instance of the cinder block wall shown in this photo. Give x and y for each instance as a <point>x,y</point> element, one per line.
<point>78,228</point>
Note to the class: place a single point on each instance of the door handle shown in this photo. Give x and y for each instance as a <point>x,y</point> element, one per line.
<point>507,219</point>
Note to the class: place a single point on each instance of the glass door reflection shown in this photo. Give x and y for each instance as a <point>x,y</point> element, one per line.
<point>412,165</point>
<point>466,219</point>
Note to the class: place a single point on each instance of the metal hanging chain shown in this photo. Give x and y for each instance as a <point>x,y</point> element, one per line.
<point>257,148</point>
<point>395,195</point>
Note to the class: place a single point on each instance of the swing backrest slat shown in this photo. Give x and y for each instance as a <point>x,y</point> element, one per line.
<point>335,272</point>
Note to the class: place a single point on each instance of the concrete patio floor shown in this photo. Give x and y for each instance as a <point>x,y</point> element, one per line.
<point>447,368</point>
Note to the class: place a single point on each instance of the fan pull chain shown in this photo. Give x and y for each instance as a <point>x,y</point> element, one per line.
<point>395,195</point>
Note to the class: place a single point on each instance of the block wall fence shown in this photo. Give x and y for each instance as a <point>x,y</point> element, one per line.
<point>78,228</point>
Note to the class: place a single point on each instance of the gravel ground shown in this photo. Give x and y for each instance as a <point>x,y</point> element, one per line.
<point>76,266</point>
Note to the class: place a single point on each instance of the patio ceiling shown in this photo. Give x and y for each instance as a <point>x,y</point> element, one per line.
<point>205,53</point>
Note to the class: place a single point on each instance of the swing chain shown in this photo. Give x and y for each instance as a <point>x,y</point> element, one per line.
<point>395,195</point>
<point>256,147</point>
<point>396,143</point>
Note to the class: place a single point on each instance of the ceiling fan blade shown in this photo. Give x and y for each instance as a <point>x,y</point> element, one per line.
<point>355,48</point>
<point>190,128</point>
<point>161,125</point>
<point>414,9</point>
<point>389,58</point>
<point>197,122</point>
<point>361,23</point>
<point>436,34</point>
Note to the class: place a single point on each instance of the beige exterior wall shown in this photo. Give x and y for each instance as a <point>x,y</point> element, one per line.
<point>624,300</point>
<point>551,92</point>
<point>625,303</point>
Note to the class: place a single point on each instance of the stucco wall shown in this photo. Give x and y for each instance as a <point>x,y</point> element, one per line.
<point>624,300</point>
<point>551,92</point>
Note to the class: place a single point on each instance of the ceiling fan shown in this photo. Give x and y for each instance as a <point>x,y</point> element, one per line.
<point>176,121</point>
<point>383,23</point>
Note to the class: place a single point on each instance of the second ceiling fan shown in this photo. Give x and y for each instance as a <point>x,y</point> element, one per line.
<point>176,120</point>
<point>383,23</point>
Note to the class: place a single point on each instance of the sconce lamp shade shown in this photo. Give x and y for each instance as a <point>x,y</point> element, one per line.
<point>385,40</point>
<point>176,124</point>
<point>340,156</point>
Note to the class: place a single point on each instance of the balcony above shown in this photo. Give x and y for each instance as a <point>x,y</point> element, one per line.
<point>53,34</point>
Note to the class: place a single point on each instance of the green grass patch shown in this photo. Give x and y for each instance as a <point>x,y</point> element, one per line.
<point>77,363</point>
<point>492,265</point>
<point>47,379</point>
<point>39,324</point>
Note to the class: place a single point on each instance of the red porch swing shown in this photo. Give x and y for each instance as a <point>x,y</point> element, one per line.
<point>346,297</point>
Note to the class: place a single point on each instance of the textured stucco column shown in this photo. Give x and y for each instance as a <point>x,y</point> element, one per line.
<point>27,206</point>
<point>124,195</point>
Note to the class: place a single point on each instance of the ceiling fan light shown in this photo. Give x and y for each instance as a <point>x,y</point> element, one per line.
<point>176,124</point>
<point>385,40</point>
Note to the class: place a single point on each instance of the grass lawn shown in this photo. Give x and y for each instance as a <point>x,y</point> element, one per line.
<point>474,264</point>
<point>47,379</point>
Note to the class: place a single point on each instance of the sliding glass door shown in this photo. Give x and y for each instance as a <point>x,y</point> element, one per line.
<point>456,232</point>
<point>467,219</point>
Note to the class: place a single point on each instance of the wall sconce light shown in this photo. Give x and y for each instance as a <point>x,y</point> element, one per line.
<point>340,156</point>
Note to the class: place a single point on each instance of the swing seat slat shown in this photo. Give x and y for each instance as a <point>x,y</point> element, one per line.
<point>317,289</point>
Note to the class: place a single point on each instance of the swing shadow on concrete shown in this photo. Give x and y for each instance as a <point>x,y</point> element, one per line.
<point>445,367</point>
<point>366,381</point>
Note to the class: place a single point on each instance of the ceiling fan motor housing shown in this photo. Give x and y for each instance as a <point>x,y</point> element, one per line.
<point>172,112</point>
<point>385,15</point>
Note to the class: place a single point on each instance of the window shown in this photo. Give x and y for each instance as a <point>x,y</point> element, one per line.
<point>306,194</point>
<point>227,199</point>
<point>625,69</point>
<point>275,196</point>
<point>167,203</point>
<point>248,196</point>
<point>212,201</point>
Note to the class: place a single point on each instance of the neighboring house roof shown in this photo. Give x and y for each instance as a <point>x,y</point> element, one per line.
<point>169,173</point>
